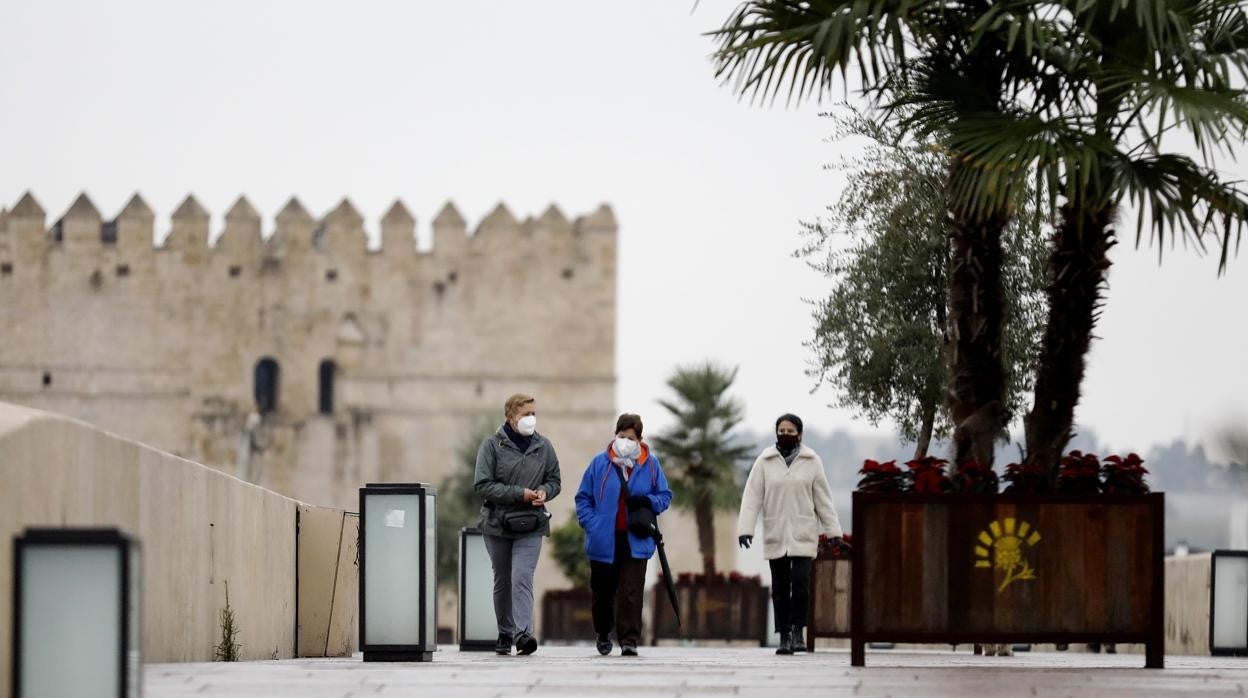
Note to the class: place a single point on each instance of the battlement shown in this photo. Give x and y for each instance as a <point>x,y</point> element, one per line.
<point>340,232</point>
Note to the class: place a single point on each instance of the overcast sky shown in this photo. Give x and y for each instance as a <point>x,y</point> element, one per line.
<point>528,103</point>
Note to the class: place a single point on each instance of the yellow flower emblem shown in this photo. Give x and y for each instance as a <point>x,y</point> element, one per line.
<point>1001,547</point>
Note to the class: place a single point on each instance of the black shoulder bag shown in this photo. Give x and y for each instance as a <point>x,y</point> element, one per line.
<point>642,521</point>
<point>519,521</point>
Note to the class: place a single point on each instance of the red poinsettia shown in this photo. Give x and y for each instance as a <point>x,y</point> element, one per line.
<point>1079,473</point>
<point>927,475</point>
<point>828,550</point>
<point>974,477</point>
<point>881,477</point>
<point>1026,478</point>
<point>1124,475</point>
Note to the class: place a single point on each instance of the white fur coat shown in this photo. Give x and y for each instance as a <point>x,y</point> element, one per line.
<point>795,501</point>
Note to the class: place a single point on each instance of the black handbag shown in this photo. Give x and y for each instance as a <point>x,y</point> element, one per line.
<point>520,521</point>
<point>642,521</point>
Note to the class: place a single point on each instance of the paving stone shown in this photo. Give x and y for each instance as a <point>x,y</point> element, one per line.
<point>708,673</point>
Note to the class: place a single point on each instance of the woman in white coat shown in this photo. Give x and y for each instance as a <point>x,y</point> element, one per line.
<point>788,487</point>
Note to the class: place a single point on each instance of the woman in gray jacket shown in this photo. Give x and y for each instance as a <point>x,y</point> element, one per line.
<point>517,473</point>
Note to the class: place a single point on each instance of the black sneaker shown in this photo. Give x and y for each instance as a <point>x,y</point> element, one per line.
<point>503,646</point>
<point>604,645</point>
<point>629,650</point>
<point>526,644</point>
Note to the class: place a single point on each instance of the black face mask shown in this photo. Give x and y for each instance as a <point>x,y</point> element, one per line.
<point>787,442</point>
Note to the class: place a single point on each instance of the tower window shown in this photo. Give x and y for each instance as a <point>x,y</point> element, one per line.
<point>235,271</point>
<point>6,268</point>
<point>47,379</point>
<point>331,275</point>
<point>268,376</point>
<point>123,270</point>
<point>328,372</point>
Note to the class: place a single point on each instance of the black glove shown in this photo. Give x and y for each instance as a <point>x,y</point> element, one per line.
<point>745,541</point>
<point>638,501</point>
<point>840,544</point>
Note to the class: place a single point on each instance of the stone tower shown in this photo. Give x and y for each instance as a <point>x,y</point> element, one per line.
<point>306,362</point>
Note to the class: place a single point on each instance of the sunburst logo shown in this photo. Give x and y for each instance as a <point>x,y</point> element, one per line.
<point>1001,546</point>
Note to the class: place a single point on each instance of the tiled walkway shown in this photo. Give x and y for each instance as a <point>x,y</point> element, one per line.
<point>705,672</point>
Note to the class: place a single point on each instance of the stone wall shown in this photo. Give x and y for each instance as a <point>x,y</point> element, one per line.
<point>199,530</point>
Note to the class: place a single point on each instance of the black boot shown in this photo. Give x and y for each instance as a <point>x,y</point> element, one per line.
<point>799,639</point>
<point>786,642</point>
<point>525,643</point>
<point>604,645</point>
<point>503,646</point>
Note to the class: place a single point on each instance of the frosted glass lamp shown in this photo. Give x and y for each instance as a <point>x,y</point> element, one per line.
<point>398,572</point>
<point>1228,602</point>
<point>76,626</point>
<point>478,629</point>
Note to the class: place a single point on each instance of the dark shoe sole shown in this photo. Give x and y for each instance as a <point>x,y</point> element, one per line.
<point>527,646</point>
<point>628,652</point>
<point>784,652</point>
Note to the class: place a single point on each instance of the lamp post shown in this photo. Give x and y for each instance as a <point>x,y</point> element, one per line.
<point>398,572</point>
<point>1228,602</point>
<point>477,627</point>
<point>76,627</point>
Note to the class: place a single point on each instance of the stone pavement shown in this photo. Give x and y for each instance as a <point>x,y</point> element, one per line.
<point>704,672</point>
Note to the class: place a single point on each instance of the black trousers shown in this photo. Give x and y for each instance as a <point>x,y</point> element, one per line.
<point>617,590</point>
<point>790,590</point>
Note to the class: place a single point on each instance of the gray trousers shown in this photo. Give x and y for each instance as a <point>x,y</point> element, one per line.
<point>514,560</point>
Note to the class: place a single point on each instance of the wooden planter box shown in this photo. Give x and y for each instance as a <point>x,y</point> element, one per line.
<point>567,615</point>
<point>1008,569</point>
<point>712,611</point>
<point>829,600</point>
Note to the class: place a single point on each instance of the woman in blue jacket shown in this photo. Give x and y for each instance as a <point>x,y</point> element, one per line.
<point>624,477</point>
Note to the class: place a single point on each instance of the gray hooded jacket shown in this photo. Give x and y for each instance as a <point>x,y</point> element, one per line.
<point>503,473</point>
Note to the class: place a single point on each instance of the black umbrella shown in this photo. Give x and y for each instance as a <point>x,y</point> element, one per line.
<point>667,574</point>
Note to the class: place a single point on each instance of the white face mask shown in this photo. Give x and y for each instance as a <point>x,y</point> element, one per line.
<point>527,425</point>
<point>625,447</point>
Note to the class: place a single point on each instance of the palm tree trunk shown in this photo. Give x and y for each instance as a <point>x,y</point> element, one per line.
<point>976,392</point>
<point>925,431</point>
<point>1078,265</point>
<point>704,515</point>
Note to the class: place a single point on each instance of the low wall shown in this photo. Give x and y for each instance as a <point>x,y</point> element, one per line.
<point>1187,604</point>
<point>328,582</point>
<point>199,529</point>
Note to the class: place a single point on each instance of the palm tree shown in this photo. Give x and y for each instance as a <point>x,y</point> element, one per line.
<point>1113,81</point>
<point>767,45</point>
<point>1060,90</point>
<point>701,456</point>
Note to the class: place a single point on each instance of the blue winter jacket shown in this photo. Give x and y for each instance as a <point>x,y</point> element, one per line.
<point>598,500</point>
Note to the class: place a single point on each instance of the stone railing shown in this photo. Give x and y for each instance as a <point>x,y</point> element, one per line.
<point>289,565</point>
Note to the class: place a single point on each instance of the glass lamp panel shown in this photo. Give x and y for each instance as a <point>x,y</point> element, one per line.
<point>392,575</point>
<point>71,620</point>
<point>478,600</point>
<point>431,572</point>
<point>1230,602</point>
